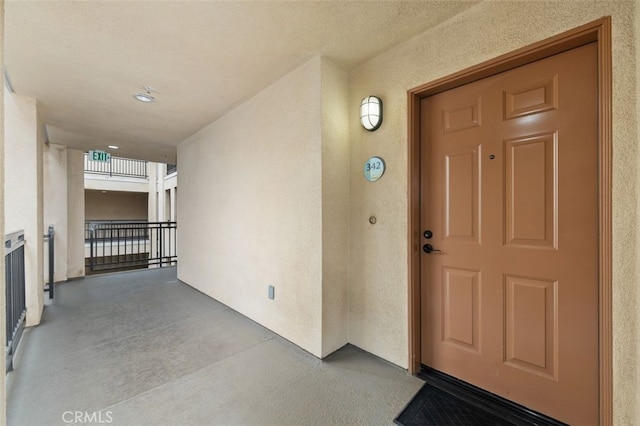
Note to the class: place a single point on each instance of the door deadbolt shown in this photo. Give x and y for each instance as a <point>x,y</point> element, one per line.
<point>427,234</point>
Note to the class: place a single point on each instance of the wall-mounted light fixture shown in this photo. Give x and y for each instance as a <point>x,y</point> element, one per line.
<point>371,113</point>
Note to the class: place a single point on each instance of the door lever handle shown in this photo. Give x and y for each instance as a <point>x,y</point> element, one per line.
<point>428,248</point>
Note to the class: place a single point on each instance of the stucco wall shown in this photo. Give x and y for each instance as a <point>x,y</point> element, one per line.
<point>162,193</point>
<point>152,199</point>
<point>637,265</point>
<point>23,192</point>
<point>378,255</point>
<point>335,207</point>
<point>55,207</point>
<point>251,208</point>
<point>112,205</point>
<point>75,209</point>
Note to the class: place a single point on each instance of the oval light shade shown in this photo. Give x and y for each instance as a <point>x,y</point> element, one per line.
<point>371,113</point>
<point>144,97</point>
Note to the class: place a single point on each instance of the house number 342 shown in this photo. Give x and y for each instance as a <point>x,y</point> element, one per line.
<point>373,169</point>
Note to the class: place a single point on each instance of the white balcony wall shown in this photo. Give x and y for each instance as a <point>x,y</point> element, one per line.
<point>115,183</point>
<point>24,137</point>
<point>119,247</point>
<point>120,174</point>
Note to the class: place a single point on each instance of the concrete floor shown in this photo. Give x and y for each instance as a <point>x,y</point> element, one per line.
<point>142,348</point>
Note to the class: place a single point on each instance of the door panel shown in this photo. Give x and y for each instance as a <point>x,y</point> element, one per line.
<point>460,308</point>
<point>531,322</point>
<point>531,191</point>
<point>461,191</point>
<point>509,190</point>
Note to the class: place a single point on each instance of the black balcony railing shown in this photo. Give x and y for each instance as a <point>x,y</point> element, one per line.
<point>14,293</point>
<point>130,228</point>
<point>126,245</point>
<point>126,167</point>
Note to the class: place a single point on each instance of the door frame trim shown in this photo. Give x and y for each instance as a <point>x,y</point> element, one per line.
<point>598,31</point>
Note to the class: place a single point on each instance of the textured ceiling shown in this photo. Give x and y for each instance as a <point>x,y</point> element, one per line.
<point>83,61</point>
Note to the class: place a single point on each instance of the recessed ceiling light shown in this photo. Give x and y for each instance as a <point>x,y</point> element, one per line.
<point>145,97</point>
<point>113,147</point>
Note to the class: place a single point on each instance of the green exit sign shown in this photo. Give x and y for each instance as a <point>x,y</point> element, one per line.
<point>101,156</point>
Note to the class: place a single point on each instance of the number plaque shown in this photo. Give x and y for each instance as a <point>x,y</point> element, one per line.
<point>373,169</point>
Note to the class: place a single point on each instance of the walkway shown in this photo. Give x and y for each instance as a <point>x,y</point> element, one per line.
<point>142,348</point>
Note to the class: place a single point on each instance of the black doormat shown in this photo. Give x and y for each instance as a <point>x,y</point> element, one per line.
<point>434,406</point>
<point>447,401</point>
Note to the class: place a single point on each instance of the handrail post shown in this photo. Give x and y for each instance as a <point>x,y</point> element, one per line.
<point>50,237</point>
<point>52,260</point>
<point>91,240</point>
<point>160,234</point>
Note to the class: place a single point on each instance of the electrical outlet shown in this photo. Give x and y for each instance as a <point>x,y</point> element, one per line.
<point>272,292</point>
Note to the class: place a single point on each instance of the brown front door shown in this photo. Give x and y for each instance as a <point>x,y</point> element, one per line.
<point>509,294</point>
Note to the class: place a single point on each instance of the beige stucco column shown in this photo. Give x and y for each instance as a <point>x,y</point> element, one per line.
<point>172,214</point>
<point>55,206</point>
<point>75,213</point>
<point>152,215</point>
<point>23,207</point>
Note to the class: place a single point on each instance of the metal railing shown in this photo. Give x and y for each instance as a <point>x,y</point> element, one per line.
<point>172,168</point>
<point>128,245</point>
<point>126,167</point>
<point>14,292</point>
<point>49,238</point>
<point>131,228</point>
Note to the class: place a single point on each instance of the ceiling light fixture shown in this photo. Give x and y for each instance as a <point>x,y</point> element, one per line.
<point>114,147</point>
<point>145,97</point>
